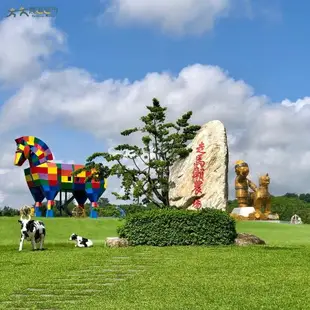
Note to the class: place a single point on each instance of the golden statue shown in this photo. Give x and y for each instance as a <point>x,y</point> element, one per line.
<point>262,197</point>
<point>78,212</point>
<point>242,185</point>
<point>26,212</point>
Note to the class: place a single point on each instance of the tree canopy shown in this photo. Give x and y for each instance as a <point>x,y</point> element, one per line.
<point>146,178</point>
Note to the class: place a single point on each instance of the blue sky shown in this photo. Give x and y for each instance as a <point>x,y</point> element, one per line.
<point>270,53</point>
<point>263,43</point>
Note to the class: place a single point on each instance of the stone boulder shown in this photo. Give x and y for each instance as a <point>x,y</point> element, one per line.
<point>244,239</point>
<point>116,242</point>
<point>273,217</point>
<point>214,187</point>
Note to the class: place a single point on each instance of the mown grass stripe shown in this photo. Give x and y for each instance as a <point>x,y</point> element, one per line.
<point>91,283</point>
<point>73,301</point>
<point>116,279</point>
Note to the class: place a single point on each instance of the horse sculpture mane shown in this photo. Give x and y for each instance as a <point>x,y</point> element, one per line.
<point>46,178</point>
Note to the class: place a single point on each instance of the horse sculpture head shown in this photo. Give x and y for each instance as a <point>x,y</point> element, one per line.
<point>33,149</point>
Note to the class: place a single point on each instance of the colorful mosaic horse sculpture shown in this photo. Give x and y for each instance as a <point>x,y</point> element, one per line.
<point>46,178</point>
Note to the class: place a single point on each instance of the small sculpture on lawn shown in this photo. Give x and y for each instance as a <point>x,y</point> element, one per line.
<point>295,219</point>
<point>26,212</point>
<point>78,212</point>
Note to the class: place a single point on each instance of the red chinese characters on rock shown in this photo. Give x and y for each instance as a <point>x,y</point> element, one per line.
<point>198,174</point>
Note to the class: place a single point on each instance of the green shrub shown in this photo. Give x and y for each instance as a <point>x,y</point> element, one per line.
<point>163,227</point>
<point>135,208</point>
<point>109,211</point>
<point>231,205</point>
<point>113,210</point>
<point>8,211</point>
<point>304,215</point>
<point>286,207</point>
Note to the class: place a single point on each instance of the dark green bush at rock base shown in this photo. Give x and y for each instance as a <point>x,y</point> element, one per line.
<point>166,227</point>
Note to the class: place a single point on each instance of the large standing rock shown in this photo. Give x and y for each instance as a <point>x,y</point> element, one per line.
<point>214,193</point>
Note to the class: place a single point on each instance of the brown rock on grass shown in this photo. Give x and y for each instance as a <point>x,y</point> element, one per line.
<point>244,239</point>
<point>116,242</point>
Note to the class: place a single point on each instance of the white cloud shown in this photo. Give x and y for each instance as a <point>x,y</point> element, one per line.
<point>270,11</point>
<point>187,17</point>
<point>176,16</point>
<point>271,137</point>
<point>104,108</point>
<point>26,43</point>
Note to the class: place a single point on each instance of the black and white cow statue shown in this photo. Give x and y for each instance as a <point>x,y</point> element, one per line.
<point>81,242</point>
<point>33,231</point>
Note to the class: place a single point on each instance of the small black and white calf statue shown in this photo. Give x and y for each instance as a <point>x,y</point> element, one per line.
<point>31,230</point>
<point>81,242</point>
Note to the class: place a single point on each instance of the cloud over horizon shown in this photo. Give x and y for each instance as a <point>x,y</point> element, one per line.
<point>267,135</point>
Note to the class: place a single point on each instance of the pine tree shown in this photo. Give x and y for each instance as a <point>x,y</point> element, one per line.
<point>147,179</point>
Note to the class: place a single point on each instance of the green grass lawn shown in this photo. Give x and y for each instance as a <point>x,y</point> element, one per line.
<point>276,276</point>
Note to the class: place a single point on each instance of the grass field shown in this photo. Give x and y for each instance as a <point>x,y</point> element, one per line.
<point>276,276</point>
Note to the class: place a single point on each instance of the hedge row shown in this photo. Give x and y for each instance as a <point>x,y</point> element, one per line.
<point>7,211</point>
<point>287,207</point>
<point>166,227</point>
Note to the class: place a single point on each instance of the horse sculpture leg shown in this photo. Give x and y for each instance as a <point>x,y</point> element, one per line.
<point>94,207</point>
<point>50,211</point>
<point>80,197</point>
<point>93,192</point>
<point>37,210</point>
<point>38,197</point>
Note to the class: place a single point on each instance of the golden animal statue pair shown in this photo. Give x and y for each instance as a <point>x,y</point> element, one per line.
<point>259,198</point>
